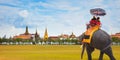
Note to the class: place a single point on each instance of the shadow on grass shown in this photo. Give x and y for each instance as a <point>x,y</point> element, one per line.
<point>97,59</point>
<point>94,59</point>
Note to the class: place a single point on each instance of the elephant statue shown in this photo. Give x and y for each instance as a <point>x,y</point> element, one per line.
<point>101,41</point>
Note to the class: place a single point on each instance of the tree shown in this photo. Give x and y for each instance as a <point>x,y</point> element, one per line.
<point>18,40</point>
<point>10,40</point>
<point>116,40</point>
<point>68,41</point>
<point>4,40</point>
<point>0,41</point>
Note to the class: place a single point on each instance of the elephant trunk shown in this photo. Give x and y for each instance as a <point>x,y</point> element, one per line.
<point>82,52</point>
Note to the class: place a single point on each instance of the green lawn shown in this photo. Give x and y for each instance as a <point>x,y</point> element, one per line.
<point>48,52</point>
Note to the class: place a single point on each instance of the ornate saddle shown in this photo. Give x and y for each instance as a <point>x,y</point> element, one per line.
<point>89,33</point>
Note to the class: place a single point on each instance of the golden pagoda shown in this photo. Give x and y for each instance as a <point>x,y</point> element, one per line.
<point>46,35</point>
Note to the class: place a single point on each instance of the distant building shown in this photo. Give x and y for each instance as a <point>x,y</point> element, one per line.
<point>63,36</point>
<point>116,35</point>
<point>72,36</point>
<point>26,35</point>
<point>53,37</point>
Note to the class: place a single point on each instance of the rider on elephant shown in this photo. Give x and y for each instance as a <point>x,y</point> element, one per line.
<point>93,26</point>
<point>95,21</point>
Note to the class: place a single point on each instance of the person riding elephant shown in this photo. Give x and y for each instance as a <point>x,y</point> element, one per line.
<point>94,25</point>
<point>95,21</point>
<point>94,37</point>
<point>98,21</point>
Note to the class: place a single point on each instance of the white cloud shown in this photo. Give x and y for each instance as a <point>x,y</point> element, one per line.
<point>58,23</point>
<point>60,5</point>
<point>24,13</point>
<point>63,16</point>
<point>9,30</point>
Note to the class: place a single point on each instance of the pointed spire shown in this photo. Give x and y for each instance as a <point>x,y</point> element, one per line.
<point>36,34</point>
<point>26,32</point>
<point>46,34</point>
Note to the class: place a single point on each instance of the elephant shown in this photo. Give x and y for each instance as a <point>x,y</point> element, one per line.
<point>101,41</point>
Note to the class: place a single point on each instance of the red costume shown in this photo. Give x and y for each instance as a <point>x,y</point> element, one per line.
<point>95,22</point>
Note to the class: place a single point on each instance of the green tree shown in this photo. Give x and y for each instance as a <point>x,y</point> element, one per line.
<point>10,40</point>
<point>116,40</point>
<point>68,40</point>
<point>0,41</point>
<point>18,40</point>
<point>4,40</point>
<point>37,40</point>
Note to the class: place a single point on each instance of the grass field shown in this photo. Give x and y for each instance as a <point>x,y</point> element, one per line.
<point>48,52</point>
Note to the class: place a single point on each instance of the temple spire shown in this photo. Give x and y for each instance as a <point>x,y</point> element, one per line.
<point>26,32</point>
<point>36,34</point>
<point>46,34</point>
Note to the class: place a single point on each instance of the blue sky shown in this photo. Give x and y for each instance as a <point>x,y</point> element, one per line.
<point>58,16</point>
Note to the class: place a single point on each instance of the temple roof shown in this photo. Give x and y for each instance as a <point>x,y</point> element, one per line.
<point>72,35</point>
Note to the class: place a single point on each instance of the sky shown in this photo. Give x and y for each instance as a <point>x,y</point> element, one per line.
<point>58,16</point>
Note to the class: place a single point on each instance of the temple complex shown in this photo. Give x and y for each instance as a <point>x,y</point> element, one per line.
<point>26,35</point>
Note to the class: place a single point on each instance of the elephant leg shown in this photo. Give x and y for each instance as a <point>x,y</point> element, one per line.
<point>108,51</point>
<point>101,55</point>
<point>89,50</point>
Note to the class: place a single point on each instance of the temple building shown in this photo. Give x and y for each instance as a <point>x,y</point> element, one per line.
<point>72,36</point>
<point>116,35</point>
<point>26,35</point>
<point>53,37</point>
<point>63,36</point>
<point>36,34</point>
